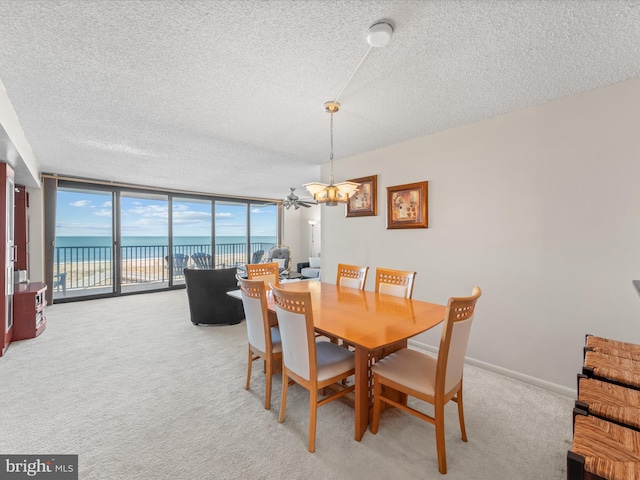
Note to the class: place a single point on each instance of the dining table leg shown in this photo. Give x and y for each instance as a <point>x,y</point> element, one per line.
<point>363,402</point>
<point>361,391</point>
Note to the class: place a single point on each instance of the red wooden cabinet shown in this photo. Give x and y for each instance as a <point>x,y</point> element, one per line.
<point>6,255</point>
<point>21,234</point>
<point>29,319</point>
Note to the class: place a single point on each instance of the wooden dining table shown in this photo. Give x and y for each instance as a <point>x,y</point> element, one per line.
<point>375,324</point>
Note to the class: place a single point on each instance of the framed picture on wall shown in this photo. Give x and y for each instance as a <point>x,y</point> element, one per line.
<point>407,206</point>
<point>364,202</point>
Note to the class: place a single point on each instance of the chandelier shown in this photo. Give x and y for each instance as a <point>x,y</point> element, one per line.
<point>332,194</point>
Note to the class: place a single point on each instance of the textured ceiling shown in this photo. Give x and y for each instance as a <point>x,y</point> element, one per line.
<point>226,96</point>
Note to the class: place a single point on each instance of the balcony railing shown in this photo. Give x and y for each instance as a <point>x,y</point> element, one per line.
<point>91,267</point>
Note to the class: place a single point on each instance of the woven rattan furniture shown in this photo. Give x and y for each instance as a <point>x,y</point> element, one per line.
<point>599,342</point>
<point>609,401</point>
<point>611,368</point>
<point>615,348</point>
<point>602,450</point>
<point>282,255</point>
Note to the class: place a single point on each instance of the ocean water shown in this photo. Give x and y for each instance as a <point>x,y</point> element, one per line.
<point>89,248</point>
<point>91,241</point>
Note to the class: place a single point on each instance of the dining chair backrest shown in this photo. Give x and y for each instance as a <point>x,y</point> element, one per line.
<point>295,320</point>
<point>267,272</point>
<point>351,276</point>
<point>254,301</point>
<point>398,283</point>
<point>454,340</point>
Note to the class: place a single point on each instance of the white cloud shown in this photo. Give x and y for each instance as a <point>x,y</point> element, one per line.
<point>80,203</point>
<point>152,210</point>
<point>189,216</point>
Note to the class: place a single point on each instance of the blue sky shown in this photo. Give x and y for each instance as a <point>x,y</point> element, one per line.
<point>81,213</point>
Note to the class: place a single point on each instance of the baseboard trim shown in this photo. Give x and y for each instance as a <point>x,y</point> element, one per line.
<point>521,377</point>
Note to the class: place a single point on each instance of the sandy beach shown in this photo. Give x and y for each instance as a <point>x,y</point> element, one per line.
<point>90,274</point>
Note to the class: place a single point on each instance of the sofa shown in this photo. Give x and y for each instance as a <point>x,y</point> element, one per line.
<point>310,269</point>
<point>208,299</point>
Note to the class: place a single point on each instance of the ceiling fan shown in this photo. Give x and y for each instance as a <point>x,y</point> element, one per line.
<point>292,200</point>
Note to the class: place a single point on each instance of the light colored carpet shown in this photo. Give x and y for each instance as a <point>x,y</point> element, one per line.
<point>138,392</point>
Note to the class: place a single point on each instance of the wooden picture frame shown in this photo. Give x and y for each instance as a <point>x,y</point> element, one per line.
<point>407,206</point>
<point>364,203</point>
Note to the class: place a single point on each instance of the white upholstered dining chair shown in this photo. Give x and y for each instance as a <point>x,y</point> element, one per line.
<point>351,276</point>
<point>313,365</point>
<point>430,379</point>
<point>267,272</point>
<point>264,340</point>
<point>398,283</point>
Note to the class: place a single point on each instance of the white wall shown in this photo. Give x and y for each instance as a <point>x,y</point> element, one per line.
<point>311,213</point>
<point>17,151</point>
<point>36,235</point>
<point>540,208</point>
<point>291,233</point>
<point>297,233</point>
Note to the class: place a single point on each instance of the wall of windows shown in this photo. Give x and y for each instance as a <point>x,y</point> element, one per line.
<point>118,240</point>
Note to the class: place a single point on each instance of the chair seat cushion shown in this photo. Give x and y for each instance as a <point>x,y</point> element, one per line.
<point>333,360</point>
<point>415,370</point>
<point>310,272</point>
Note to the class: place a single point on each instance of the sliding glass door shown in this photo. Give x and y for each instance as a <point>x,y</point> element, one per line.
<point>192,234</point>
<point>114,240</point>
<point>83,259</point>
<point>263,231</point>
<point>144,233</point>
<point>231,233</point>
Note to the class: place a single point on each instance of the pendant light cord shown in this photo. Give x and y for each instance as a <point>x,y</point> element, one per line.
<point>355,70</point>
<point>353,73</point>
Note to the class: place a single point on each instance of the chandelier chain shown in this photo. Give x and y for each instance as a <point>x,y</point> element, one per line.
<point>331,136</point>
